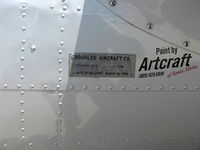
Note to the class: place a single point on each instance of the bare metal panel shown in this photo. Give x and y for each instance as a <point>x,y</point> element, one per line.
<point>42,107</point>
<point>108,120</point>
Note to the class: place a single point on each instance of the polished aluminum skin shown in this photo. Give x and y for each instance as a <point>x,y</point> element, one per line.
<point>42,107</point>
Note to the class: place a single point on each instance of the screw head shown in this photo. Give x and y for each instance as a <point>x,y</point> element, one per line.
<point>113,2</point>
<point>186,43</point>
<point>149,26</point>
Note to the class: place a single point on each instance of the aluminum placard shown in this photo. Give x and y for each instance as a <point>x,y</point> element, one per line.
<point>102,65</point>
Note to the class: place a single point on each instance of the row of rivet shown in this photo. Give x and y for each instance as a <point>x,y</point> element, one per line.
<point>150,139</point>
<point>110,87</point>
<point>22,111</point>
<point>149,25</point>
<point>60,61</point>
<point>22,58</point>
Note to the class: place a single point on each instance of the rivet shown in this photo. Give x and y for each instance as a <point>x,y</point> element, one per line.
<point>60,70</point>
<point>22,49</point>
<point>148,88</point>
<point>197,137</point>
<point>22,67</point>
<point>23,14</point>
<point>127,141</point>
<point>57,86</point>
<point>23,28</point>
<point>45,86</point>
<point>149,26</point>
<point>60,94</point>
<point>79,143</point>
<point>173,87</point>
<point>59,79</point>
<point>30,144</point>
<point>60,113</point>
<point>60,51</point>
<point>161,87</point>
<point>4,145</point>
<point>60,121</point>
<point>84,87</point>
<point>24,5</point>
<point>113,2</point>
<point>5,86</point>
<point>23,41</point>
<point>151,139</point>
<point>78,8</point>
<point>22,58</point>
<point>51,6</point>
<point>97,87</point>
<point>71,87</point>
<point>64,7</point>
<point>22,77</point>
<point>22,120</point>
<point>186,43</point>
<point>22,92</point>
<point>60,103</point>
<point>31,86</point>
<point>22,129</point>
<point>62,29</point>
<point>55,143</point>
<point>197,87</point>
<point>18,86</point>
<point>173,138</point>
<point>61,43</point>
<point>185,87</point>
<point>136,87</point>
<point>59,130</point>
<point>22,111</point>
<point>59,137</point>
<point>123,87</point>
<point>22,102</point>
<point>62,15</point>
<point>23,137</point>
<point>110,87</point>
<point>60,61</point>
<point>33,48</point>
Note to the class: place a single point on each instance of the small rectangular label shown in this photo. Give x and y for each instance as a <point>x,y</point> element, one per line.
<point>102,65</point>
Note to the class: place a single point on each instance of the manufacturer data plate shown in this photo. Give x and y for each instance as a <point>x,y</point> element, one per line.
<point>102,65</point>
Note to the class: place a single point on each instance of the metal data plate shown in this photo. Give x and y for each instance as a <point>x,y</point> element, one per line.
<point>102,65</point>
